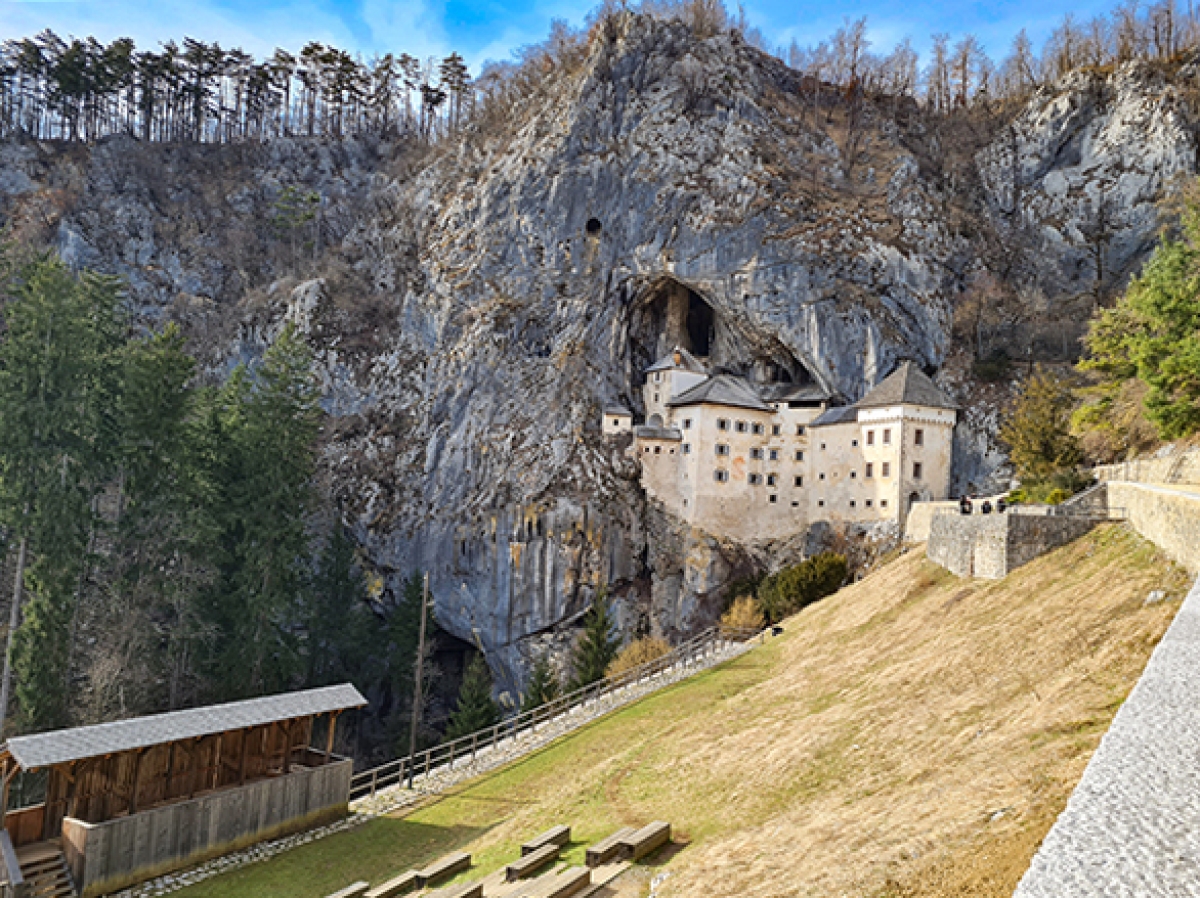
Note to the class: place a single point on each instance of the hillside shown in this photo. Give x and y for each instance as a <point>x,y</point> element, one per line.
<point>912,735</point>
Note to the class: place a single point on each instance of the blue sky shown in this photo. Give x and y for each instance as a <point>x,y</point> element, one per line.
<point>492,29</point>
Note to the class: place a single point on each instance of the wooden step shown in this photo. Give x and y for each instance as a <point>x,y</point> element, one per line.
<point>45,870</point>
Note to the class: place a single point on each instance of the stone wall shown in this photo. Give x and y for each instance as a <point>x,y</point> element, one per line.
<point>920,519</point>
<point>1172,467</point>
<point>105,857</point>
<point>1167,517</point>
<point>991,546</point>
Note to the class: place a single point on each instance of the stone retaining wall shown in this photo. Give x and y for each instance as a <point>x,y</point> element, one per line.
<point>1168,518</point>
<point>1175,467</point>
<point>990,546</point>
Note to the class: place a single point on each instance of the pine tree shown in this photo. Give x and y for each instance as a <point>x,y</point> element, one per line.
<point>596,646</point>
<point>59,365</point>
<point>264,428</point>
<point>543,685</point>
<point>345,641</point>
<point>475,709</point>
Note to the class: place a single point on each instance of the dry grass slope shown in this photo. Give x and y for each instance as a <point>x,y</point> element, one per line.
<point>915,734</point>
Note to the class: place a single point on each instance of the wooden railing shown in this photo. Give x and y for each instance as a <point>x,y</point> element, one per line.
<point>420,765</point>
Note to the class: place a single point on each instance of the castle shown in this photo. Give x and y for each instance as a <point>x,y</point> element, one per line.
<point>754,461</point>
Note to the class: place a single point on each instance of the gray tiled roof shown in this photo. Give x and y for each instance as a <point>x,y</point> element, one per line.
<point>838,415</point>
<point>687,362</point>
<point>793,393</point>
<point>724,389</point>
<point>61,746</point>
<point>650,432</point>
<point>907,385</point>
<point>617,410</point>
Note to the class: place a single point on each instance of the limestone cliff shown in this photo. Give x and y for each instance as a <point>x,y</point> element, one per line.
<point>474,307</point>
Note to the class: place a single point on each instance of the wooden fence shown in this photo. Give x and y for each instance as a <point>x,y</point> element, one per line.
<point>420,765</point>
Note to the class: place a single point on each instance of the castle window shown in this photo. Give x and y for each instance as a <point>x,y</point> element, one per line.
<point>672,451</point>
<point>854,443</point>
<point>852,503</point>
<point>917,470</point>
<point>773,454</point>
<point>870,470</point>
<point>657,376</point>
<point>756,429</point>
<point>820,476</point>
<point>656,397</point>
<point>740,426</point>
<point>754,479</point>
<point>799,430</point>
<point>722,449</point>
<point>722,423</point>
<point>919,437</point>
<point>721,476</point>
<point>616,423</point>
<point>870,438</point>
<point>887,436</point>
<point>868,503</point>
<point>822,446</point>
<point>756,453</point>
<point>883,503</point>
<point>795,505</point>
<point>774,498</point>
<point>799,455</point>
<point>797,481</point>
<point>647,449</point>
<point>776,429</point>
<point>687,423</point>
<point>853,475</point>
<point>887,469</point>
<point>772,479</point>
<point>658,450</point>
<point>820,503</point>
<point>687,448</point>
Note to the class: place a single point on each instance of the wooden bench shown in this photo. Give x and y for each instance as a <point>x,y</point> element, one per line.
<point>569,882</point>
<point>559,835</point>
<point>528,863</point>
<point>607,849</point>
<point>646,840</point>
<point>397,885</point>
<point>353,891</point>
<point>450,865</point>
<point>463,890</point>
<point>563,884</point>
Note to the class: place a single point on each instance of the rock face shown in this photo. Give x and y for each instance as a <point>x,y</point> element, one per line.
<point>1085,167</point>
<point>474,308</point>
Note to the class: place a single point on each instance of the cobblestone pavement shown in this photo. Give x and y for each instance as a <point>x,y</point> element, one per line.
<point>1131,829</point>
<point>392,799</point>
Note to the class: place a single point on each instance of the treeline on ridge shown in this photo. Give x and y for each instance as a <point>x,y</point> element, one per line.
<point>193,91</point>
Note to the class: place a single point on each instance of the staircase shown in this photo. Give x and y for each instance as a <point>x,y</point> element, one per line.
<point>45,870</point>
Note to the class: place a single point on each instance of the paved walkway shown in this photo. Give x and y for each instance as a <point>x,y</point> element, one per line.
<point>1132,827</point>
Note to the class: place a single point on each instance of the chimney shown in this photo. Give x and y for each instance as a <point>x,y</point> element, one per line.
<point>678,357</point>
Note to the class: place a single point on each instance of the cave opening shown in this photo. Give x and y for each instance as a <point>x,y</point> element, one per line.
<point>669,313</point>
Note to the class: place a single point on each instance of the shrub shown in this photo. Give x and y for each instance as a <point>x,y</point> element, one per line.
<point>638,652</point>
<point>596,647</point>
<point>743,614</point>
<point>794,588</point>
<point>543,686</point>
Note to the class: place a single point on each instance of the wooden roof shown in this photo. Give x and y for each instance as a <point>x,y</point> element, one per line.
<point>62,746</point>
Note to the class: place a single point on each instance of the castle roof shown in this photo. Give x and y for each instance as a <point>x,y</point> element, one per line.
<point>793,393</point>
<point>724,389</point>
<point>687,362</point>
<point>617,410</point>
<point>841,414</point>
<point>907,385</point>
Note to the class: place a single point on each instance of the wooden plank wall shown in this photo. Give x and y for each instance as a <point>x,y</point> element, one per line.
<point>106,857</point>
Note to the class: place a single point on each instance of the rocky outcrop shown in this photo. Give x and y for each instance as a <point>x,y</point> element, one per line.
<point>475,306</point>
<point>1083,170</point>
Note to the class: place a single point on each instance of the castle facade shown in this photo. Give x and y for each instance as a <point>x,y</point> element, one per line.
<point>754,462</point>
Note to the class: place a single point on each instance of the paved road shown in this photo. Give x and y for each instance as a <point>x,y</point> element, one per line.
<point>1132,827</point>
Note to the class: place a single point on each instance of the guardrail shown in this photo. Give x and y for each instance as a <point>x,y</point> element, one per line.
<point>368,782</point>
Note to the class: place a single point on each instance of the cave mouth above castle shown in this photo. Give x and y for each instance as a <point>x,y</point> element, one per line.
<point>668,313</point>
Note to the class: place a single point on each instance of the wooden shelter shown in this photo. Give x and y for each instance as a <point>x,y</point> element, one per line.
<point>246,762</point>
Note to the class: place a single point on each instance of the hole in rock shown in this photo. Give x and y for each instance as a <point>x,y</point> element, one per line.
<point>593,227</point>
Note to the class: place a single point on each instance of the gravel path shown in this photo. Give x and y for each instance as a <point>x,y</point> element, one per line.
<point>395,798</point>
<point>1131,828</point>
